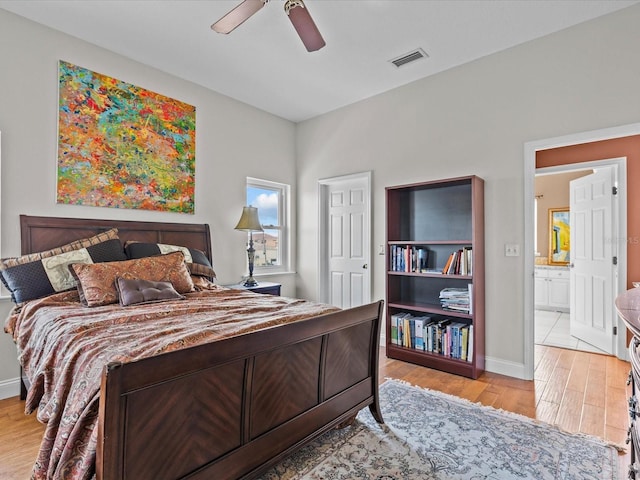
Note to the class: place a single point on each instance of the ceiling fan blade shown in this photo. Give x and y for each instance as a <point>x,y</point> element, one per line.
<point>304,25</point>
<point>238,15</point>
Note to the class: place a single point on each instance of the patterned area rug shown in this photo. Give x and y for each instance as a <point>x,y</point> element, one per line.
<point>429,435</point>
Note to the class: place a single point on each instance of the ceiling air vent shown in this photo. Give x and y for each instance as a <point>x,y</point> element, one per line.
<point>412,56</point>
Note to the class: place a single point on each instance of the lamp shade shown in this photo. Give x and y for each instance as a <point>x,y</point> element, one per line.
<point>249,220</point>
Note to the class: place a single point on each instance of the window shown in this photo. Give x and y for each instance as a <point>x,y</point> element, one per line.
<point>272,245</point>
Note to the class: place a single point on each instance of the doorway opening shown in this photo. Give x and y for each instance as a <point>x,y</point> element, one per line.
<point>531,149</point>
<point>576,255</point>
<point>344,240</point>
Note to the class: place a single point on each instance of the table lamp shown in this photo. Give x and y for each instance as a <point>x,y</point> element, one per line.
<point>250,222</point>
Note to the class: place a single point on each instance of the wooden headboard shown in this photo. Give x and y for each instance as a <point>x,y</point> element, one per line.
<point>43,233</point>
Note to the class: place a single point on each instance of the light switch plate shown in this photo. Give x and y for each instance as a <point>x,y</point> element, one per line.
<point>511,250</point>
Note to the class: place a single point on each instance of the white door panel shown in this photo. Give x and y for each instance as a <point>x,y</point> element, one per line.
<point>337,282</point>
<point>335,235</point>
<point>357,288</point>
<point>592,272</point>
<point>348,241</point>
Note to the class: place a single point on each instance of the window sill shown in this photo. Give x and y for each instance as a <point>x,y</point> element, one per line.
<point>274,273</point>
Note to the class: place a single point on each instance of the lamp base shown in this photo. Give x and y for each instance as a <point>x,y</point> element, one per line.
<point>250,282</point>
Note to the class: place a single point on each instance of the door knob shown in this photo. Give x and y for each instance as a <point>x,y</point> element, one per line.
<point>365,266</point>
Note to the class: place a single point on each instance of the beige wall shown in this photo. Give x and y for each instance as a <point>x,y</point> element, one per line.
<point>475,119</point>
<point>224,155</point>
<point>552,191</point>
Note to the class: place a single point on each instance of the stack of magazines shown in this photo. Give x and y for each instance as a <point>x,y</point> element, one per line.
<point>457,299</point>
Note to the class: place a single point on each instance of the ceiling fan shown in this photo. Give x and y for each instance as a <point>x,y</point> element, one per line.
<point>295,10</point>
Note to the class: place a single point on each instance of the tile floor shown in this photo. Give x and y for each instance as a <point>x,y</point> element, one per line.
<point>552,329</point>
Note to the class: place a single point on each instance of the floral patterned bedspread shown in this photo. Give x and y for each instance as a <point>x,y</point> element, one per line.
<point>64,346</point>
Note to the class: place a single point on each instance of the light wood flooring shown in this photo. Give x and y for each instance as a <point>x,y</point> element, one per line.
<point>578,391</point>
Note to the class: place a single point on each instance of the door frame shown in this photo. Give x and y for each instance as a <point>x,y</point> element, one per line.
<point>323,229</point>
<point>530,149</point>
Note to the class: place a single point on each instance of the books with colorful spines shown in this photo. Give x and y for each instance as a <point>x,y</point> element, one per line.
<point>446,341</point>
<point>470,344</point>
<point>445,270</point>
<point>423,260</point>
<point>392,257</point>
<point>400,259</point>
<point>440,335</point>
<point>420,323</point>
<point>403,326</point>
<point>410,326</point>
<point>394,329</point>
<point>465,266</point>
<point>428,335</point>
<point>396,258</point>
<point>452,265</point>
<point>464,342</point>
<point>456,340</point>
<point>414,259</point>
<point>407,259</point>
<point>397,321</point>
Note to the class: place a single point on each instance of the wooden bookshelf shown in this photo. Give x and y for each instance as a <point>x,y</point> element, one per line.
<point>439,217</point>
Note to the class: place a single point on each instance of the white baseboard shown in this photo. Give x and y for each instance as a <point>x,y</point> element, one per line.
<point>505,367</point>
<point>10,388</point>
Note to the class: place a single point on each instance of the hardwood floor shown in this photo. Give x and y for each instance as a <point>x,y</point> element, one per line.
<point>578,391</point>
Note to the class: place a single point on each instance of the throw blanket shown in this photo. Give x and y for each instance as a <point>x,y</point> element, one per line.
<point>63,348</point>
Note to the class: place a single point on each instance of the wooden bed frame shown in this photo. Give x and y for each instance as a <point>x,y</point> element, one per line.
<point>233,408</point>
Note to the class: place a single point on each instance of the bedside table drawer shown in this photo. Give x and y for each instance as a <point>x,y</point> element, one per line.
<point>271,289</point>
<point>267,288</point>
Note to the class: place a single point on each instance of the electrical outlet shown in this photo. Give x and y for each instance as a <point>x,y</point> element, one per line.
<point>511,250</point>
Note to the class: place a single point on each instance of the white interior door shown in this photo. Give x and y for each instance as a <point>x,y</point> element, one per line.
<point>345,229</point>
<point>592,273</point>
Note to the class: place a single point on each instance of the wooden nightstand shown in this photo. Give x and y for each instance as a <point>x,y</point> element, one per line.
<point>268,288</point>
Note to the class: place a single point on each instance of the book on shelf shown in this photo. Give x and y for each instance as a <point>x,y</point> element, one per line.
<point>443,336</point>
<point>408,258</point>
<point>459,262</point>
<point>398,328</point>
<point>419,337</point>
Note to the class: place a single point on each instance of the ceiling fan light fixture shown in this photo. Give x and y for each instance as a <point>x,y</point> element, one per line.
<point>238,15</point>
<point>299,15</point>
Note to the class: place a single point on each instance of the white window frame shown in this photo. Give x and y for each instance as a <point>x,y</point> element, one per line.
<point>284,209</point>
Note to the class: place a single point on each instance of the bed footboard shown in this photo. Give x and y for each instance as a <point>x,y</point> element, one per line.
<point>233,408</point>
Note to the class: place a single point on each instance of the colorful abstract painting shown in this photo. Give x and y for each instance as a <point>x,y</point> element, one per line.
<point>123,146</point>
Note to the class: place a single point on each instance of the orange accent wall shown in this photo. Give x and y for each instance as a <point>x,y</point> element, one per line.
<point>618,147</point>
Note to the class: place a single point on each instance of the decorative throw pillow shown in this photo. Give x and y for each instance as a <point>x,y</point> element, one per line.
<point>96,282</point>
<point>40,274</point>
<point>196,260</point>
<point>135,291</point>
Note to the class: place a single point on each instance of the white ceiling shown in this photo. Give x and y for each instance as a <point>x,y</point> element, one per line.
<point>263,62</point>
